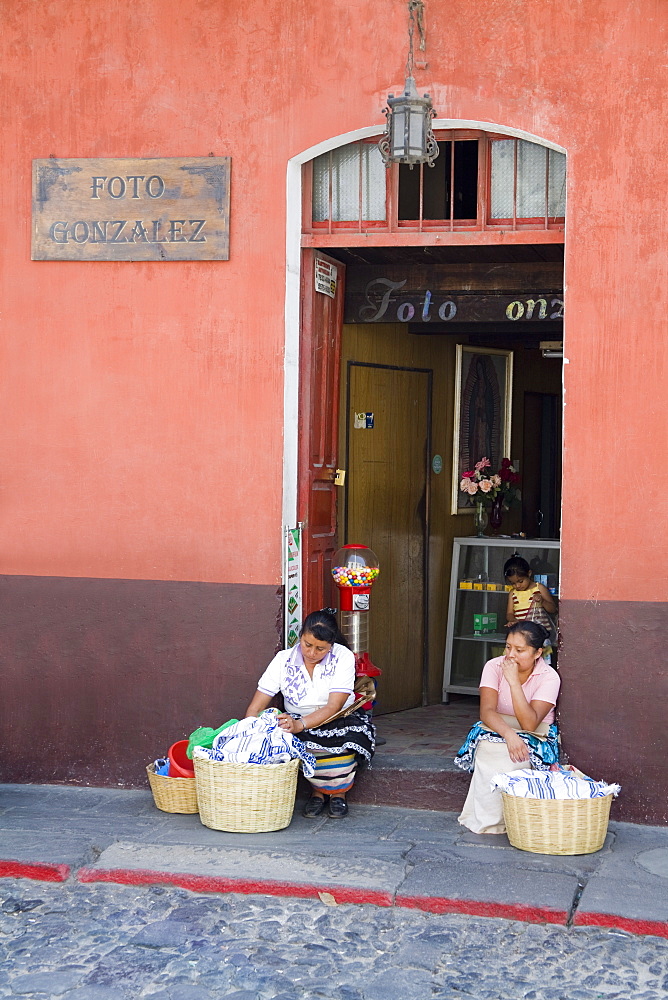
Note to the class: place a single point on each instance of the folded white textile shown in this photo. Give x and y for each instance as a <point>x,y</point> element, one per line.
<point>257,741</point>
<point>532,784</point>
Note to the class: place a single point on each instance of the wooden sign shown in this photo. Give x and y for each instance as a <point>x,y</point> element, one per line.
<point>131,209</point>
<point>440,295</point>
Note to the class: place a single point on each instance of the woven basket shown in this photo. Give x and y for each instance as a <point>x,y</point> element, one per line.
<point>556,826</point>
<point>246,798</point>
<point>172,795</point>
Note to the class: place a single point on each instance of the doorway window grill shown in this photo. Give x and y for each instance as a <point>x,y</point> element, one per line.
<point>447,191</point>
<point>349,184</point>
<point>528,181</point>
<point>479,182</point>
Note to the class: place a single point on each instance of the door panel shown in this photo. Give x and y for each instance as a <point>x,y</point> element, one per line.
<point>541,465</point>
<point>387,500</point>
<point>318,422</point>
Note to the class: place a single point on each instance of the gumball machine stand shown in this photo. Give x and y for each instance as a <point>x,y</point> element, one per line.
<point>355,568</point>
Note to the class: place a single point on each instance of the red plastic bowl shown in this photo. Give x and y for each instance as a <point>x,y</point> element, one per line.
<point>180,766</point>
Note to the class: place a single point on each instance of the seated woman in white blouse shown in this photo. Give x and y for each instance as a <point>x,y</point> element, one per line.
<point>316,679</point>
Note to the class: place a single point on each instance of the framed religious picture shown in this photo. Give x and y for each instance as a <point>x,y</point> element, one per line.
<point>483,406</point>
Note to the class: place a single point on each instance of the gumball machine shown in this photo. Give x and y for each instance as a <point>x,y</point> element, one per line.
<point>355,568</point>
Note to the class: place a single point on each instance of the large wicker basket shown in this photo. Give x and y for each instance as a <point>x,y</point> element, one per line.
<point>246,798</point>
<point>556,826</point>
<point>172,795</point>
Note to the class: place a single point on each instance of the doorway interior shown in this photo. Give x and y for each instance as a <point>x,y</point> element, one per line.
<point>397,391</point>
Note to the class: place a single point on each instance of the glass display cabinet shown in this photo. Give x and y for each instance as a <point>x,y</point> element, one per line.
<point>478,599</point>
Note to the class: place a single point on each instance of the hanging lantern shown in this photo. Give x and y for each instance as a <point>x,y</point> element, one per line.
<point>408,137</point>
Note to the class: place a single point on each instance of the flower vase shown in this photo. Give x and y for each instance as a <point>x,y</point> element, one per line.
<point>496,514</point>
<point>480,520</point>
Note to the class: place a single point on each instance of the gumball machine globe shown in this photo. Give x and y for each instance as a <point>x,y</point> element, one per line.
<point>355,566</point>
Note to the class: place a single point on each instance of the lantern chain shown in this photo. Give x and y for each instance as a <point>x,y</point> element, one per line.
<point>415,15</point>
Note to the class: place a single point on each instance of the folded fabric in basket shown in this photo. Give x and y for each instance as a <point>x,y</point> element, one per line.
<point>530,784</point>
<point>257,741</point>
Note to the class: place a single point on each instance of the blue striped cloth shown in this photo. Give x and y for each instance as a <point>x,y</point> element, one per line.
<point>257,741</point>
<point>530,784</point>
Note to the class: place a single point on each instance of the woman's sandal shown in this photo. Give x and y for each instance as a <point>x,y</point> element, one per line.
<point>338,807</point>
<point>314,807</point>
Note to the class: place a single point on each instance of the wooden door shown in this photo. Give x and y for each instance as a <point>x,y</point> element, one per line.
<point>387,509</point>
<point>321,322</point>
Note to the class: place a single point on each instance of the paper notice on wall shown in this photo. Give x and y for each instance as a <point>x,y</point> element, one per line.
<point>293,585</point>
<point>325,277</point>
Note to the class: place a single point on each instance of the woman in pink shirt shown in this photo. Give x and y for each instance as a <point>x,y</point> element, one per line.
<point>518,693</point>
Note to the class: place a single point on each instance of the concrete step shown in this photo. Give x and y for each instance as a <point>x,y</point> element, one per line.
<point>409,782</point>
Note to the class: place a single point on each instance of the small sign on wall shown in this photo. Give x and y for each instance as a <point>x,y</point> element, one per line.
<point>292,574</point>
<point>131,209</point>
<point>364,421</point>
<point>325,277</point>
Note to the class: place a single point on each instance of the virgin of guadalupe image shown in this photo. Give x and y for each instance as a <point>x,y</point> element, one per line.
<point>481,413</point>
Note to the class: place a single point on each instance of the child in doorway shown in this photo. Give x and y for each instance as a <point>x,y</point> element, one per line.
<point>527,596</point>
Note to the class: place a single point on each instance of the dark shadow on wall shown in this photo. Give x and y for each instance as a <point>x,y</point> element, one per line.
<point>99,677</point>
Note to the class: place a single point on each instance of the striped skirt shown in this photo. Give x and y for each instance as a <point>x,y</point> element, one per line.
<point>339,747</point>
<point>333,775</point>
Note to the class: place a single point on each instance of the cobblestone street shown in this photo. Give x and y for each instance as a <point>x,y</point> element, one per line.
<point>107,942</point>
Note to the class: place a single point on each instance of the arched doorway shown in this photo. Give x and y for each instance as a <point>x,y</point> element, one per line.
<point>469,257</point>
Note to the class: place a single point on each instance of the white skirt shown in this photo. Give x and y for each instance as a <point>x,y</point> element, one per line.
<point>483,809</point>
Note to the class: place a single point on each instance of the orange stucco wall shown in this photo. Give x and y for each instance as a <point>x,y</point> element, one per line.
<point>141,431</point>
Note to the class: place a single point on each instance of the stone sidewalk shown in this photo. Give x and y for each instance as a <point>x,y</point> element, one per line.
<point>381,855</point>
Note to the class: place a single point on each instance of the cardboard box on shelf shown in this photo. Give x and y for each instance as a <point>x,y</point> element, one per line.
<point>484,623</point>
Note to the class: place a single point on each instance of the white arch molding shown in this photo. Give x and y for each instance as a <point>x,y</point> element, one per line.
<point>293,280</point>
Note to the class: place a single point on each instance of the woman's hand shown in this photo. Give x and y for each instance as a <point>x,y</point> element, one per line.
<point>517,748</point>
<point>511,670</point>
<point>290,725</point>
